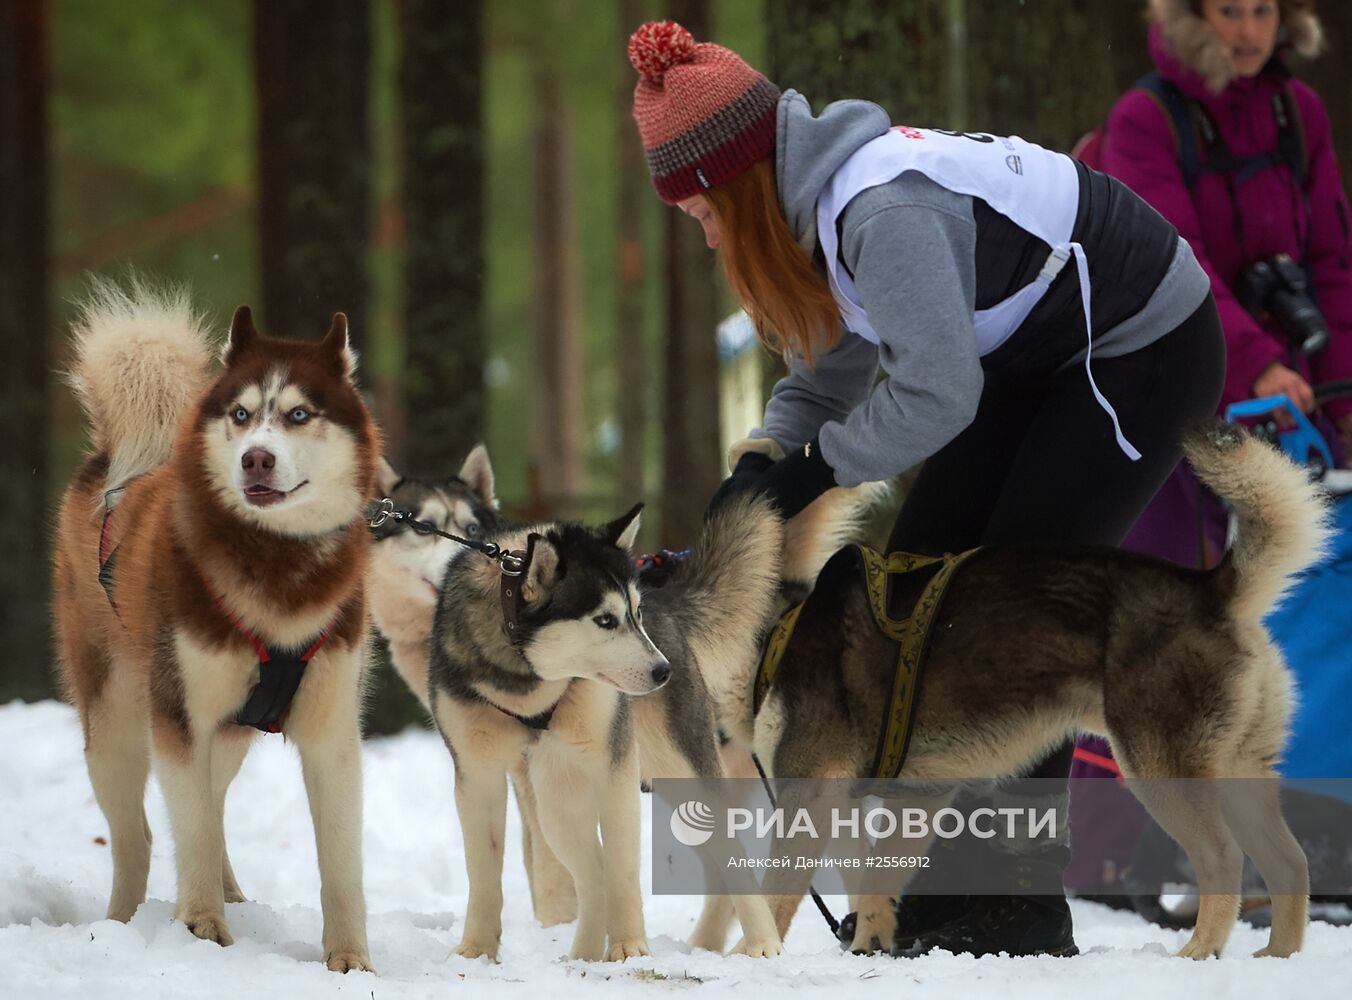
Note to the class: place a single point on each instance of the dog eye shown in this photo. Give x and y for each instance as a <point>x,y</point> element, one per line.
<point>239,414</point>
<point>299,415</point>
<point>607,621</point>
<point>471,529</point>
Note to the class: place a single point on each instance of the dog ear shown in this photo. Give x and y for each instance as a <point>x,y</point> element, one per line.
<point>623,531</point>
<point>542,569</point>
<point>386,478</point>
<point>342,358</point>
<point>477,474</point>
<point>243,335</point>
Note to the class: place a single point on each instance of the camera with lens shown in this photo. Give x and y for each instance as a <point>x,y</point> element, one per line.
<point>1279,286</point>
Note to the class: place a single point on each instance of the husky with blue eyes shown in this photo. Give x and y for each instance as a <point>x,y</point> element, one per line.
<point>405,578</point>
<point>209,584</point>
<point>577,679</point>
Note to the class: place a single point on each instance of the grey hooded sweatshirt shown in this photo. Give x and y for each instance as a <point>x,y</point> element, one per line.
<point>911,247</point>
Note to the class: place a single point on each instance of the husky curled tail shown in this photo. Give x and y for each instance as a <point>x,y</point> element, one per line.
<point>1282,514</point>
<point>142,359</point>
<point>749,567</point>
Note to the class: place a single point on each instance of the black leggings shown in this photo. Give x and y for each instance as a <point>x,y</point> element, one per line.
<point>1040,463</point>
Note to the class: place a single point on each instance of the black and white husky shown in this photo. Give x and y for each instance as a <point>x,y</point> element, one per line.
<point>598,686</point>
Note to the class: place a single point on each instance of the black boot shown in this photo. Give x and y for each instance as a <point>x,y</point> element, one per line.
<point>991,925</point>
<point>921,915</point>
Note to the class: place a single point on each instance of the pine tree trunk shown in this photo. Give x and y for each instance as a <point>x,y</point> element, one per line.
<point>557,358</point>
<point>1049,70</point>
<point>1328,76</point>
<point>24,51</point>
<point>692,462</point>
<point>441,82</point>
<point>893,52</point>
<point>311,65</point>
<point>633,194</point>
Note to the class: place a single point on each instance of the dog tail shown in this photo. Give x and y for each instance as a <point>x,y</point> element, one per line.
<point>747,552</point>
<point>141,359</point>
<point>836,519</point>
<point>736,565</point>
<point>1283,515</point>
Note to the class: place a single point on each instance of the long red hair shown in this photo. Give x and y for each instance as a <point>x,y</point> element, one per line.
<point>769,273</point>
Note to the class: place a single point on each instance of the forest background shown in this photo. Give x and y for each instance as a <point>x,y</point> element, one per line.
<point>463,179</point>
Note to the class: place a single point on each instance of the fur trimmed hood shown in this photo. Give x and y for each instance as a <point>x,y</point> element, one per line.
<point>1197,48</point>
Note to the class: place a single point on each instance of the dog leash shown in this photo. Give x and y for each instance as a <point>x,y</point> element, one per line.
<point>831,921</point>
<point>511,563</point>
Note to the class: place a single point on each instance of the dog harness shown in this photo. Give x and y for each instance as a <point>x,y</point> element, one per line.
<point>896,573</point>
<point>1035,188</point>
<point>279,670</point>
<point>539,722</point>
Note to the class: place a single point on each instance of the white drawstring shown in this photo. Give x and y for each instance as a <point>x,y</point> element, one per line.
<point>1082,265</point>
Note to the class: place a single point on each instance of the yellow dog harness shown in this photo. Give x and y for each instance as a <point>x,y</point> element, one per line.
<point>911,634</point>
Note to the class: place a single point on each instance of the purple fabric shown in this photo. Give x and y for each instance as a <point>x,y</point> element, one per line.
<point>1139,148</point>
<point>1105,823</point>
<point>1184,523</point>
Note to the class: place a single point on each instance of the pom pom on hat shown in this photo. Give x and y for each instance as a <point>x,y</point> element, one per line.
<point>657,46</point>
<point>703,114</point>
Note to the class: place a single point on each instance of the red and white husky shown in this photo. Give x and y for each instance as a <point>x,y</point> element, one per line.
<point>209,570</point>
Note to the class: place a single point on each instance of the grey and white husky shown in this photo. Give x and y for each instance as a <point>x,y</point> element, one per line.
<point>598,687</point>
<point>405,578</point>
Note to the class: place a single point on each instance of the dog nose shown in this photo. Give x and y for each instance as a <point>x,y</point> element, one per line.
<point>258,460</point>
<point>661,672</point>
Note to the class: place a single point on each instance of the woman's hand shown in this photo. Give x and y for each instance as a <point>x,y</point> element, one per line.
<point>750,467</point>
<point>796,480</point>
<point>1278,380</point>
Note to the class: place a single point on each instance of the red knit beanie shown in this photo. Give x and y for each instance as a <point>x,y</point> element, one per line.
<point>703,114</point>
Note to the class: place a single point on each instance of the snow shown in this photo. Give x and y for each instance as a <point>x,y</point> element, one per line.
<point>55,874</point>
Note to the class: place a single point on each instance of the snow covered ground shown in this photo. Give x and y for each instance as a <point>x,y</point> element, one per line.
<point>55,872</point>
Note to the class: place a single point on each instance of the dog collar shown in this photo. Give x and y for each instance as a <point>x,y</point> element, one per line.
<point>280,672</point>
<point>539,722</point>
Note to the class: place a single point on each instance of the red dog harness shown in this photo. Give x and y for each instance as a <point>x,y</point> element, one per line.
<point>279,670</point>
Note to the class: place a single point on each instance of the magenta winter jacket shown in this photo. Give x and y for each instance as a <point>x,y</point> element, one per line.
<point>1139,148</point>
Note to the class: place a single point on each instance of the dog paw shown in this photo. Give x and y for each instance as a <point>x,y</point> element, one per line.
<point>587,951</point>
<point>1271,952</point>
<point>633,948</point>
<point>758,949</point>
<point>872,928</point>
<point>209,927</point>
<point>866,944</point>
<point>476,949</point>
<point>1198,951</point>
<point>344,960</point>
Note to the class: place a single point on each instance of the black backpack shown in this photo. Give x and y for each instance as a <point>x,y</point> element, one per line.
<point>1201,150</point>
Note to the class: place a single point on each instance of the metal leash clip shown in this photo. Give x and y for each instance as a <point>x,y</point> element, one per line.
<point>381,511</point>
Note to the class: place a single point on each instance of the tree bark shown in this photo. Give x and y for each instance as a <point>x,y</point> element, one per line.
<point>1049,70</point>
<point>441,84</point>
<point>311,63</point>
<point>556,454</point>
<point>893,52</point>
<point>632,196</point>
<point>692,463</point>
<point>1328,76</point>
<point>24,52</point>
